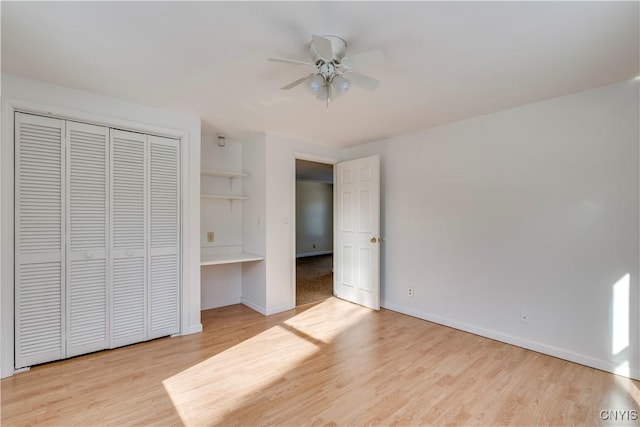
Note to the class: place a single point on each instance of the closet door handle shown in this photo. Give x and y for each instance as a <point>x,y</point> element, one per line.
<point>89,255</point>
<point>129,253</point>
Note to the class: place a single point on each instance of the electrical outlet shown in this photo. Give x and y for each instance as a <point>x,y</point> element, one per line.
<point>524,316</point>
<point>210,236</point>
<point>410,292</point>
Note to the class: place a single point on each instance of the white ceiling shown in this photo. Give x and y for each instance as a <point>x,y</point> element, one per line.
<point>446,61</point>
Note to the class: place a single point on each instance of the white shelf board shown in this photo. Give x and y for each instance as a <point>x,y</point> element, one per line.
<point>218,259</point>
<point>223,197</point>
<point>225,174</point>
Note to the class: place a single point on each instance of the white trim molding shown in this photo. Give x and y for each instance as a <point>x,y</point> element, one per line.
<point>280,309</point>
<point>7,239</point>
<point>254,306</point>
<point>308,254</point>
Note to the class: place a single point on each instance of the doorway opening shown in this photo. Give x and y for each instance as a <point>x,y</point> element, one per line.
<point>314,231</point>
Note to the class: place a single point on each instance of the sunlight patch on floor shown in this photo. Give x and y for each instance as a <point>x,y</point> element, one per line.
<point>623,369</point>
<point>337,316</point>
<point>206,392</point>
<point>625,383</point>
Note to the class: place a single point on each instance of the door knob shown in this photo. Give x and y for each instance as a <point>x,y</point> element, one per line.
<point>129,253</point>
<point>88,255</point>
<point>373,240</point>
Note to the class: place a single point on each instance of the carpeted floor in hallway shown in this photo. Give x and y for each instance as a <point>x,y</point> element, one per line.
<point>314,278</point>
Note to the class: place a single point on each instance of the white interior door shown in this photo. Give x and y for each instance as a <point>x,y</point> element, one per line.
<point>128,238</point>
<point>87,176</point>
<point>357,235</point>
<point>39,242</point>
<point>164,232</point>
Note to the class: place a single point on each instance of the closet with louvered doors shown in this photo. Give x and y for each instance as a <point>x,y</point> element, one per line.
<point>97,238</point>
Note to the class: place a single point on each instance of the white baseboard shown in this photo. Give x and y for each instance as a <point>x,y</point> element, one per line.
<point>306,254</point>
<point>193,329</point>
<point>604,365</point>
<point>264,310</point>
<point>280,308</point>
<point>220,302</point>
<point>252,305</point>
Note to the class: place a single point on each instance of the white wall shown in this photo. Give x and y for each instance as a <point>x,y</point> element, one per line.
<point>221,284</point>
<point>534,208</point>
<point>280,175</point>
<point>43,98</point>
<point>314,218</point>
<point>254,292</point>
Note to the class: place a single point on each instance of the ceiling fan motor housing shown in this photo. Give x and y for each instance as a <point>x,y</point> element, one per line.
<point>328,70</point>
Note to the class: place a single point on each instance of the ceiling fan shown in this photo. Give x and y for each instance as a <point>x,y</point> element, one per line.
<point>334,72</point>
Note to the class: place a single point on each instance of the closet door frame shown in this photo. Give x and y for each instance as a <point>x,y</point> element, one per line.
<point>47,104</point>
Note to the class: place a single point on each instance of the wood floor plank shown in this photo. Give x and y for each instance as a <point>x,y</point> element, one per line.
<point>333,363</point>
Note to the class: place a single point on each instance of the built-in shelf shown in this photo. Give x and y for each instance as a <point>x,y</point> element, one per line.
<point>224,174</point>
<point>223,197</point>
<point>218,259</point>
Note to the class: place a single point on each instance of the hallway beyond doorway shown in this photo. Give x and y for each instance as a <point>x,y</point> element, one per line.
<point>314,278</point>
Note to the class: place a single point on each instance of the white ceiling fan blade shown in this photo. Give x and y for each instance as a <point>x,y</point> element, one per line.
<point>364,59</point>
<point>291,61</point>
<point>297,82</point>
<point>323,46</point>
<point>363,81</point>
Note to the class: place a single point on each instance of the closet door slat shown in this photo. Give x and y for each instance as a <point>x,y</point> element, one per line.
<point>87,249</point>
<point>39,239</point>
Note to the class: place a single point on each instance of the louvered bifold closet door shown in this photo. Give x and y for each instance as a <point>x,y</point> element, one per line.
<point>39,231</point>
<point>87,231</point>
<point>128,238</point>
<point>164,232</point>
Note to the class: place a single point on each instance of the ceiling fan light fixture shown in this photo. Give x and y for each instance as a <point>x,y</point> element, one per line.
<point>323,94</point>
<point>340,84</point>
<point>316,83</point>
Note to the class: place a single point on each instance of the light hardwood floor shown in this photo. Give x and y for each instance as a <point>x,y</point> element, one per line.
<point>333,363</point>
